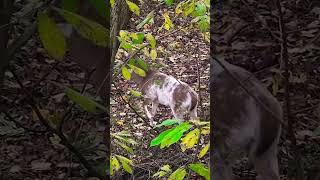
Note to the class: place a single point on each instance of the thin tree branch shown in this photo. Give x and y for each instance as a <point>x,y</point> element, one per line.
<point>285,61</point>
<point>63,138</point>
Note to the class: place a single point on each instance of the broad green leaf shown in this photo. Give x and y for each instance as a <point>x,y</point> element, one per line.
<point>178,174</point>
<point>190,139</point>
<point>114,164</point>
<point>135,93</point>
<point>137,38</point>
<point>153,54</point>
<point>204,150</point>
<point>169,122</point>
<point>83,101</point>
<point>101,7</point>
<point>317,131</point>
<point>200,9</point>
<point>146,20</point>
<point>89,29</point>
<point>125,73</point>
<point>151,40</point>
<point>175,135</point>
<point>201,170</point>
<point>156,141</point>
<point>169,2</point>
<point>126,46</point>
<point>137,70</point>
<point>203,24</point>
<point>125,147</point>
<point>168,25</point>
<point>142,64</point>
<point>133,7</point>
<point>51,37</point>
<point>70,5</point>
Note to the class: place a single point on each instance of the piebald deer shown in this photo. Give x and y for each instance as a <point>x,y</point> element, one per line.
<point>159,88</point>
<point>241,124</point>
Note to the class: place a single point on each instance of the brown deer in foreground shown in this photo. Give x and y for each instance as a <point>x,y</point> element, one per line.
<point>159,88</point>
<point>241,124</point>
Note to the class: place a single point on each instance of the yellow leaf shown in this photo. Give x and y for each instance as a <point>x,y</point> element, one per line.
<point>133,7</point>
<point>114,164</point>
<point>168,25</point>
<point>204,150</point>
<point>153,54</point>
<point>190,139</point>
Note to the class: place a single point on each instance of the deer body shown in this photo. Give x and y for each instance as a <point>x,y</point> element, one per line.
<point>159,88</point>
<point>242,125</point>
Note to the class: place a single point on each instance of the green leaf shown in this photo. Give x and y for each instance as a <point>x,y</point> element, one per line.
<point>101,7</point>
<point>137,38</point>
<point>169,2</point>
<point>135,93</point>
<point>51,37</point>
<point>125,147</point>
<point>153,54</point>
<point>204,150</point>
<point>146,20</point>
<point>173,136</point>
<point>133,7</point>
<point>201,170</point>
<point>151,40</point>
<point>89,29</point>
<point>137,70</point>
<point>168,25</point>
<point>142,64</point>
<point>178,174</point>
<point>126,46</point>
<point>125,73</point>
<point>114,164</point>
<point>169,122</point>
<point>317,131</point>
<point>203,24</point>
<point>200,9</point>
<point>70,5</point>
<point>156,141</point>
<point>83,101</point>
<point>189,8</point>
<point>126,163</point>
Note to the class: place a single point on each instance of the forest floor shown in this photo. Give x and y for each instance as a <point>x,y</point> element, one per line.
<point>182,53</point>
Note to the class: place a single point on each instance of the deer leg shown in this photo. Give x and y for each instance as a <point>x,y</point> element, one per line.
<point>154,108</point>
<point>177,114</point>
<point>193,113</point>
<point>145,105</point>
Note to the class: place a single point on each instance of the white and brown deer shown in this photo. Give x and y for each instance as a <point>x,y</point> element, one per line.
<point>241,124</point>
<point>159,88</point>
